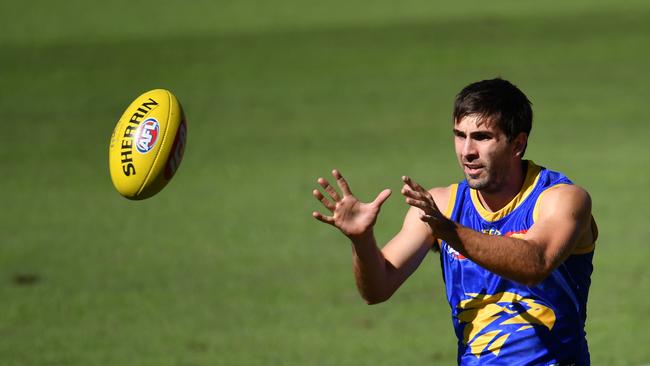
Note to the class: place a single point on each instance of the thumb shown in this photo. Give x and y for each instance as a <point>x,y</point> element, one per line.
<point>381,198</point>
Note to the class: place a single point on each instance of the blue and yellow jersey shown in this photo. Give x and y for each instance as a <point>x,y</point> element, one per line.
<point>502,322</point>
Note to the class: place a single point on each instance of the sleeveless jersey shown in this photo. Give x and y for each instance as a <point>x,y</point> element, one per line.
<point>502,322</point>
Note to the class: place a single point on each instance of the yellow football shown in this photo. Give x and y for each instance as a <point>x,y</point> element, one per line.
<point>147,144</point>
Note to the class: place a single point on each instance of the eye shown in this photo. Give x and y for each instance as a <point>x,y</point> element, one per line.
<point>481,136</point>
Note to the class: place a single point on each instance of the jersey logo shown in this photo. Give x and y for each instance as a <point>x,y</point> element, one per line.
<point>453,252</point>
<point>491,231</point>
<point>490,319</point>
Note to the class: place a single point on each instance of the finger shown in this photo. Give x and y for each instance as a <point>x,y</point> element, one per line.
<point>329,189</point>
<point>417,192</point>
<point>408,192</point>
<point>327,203</point>
<point>422,205</point>
<point>343,184</point>
<point>422,197</point>
<point>322,218</point>
<point>425,203</point>
<point>426,218</point>
<point>425,206</point>
<point>411,183</point>
<point>381,198</point>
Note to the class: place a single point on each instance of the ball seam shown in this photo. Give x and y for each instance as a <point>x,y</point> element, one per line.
<point>162,143</point>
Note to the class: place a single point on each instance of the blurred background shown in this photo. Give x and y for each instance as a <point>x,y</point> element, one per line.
<point>226,266</point>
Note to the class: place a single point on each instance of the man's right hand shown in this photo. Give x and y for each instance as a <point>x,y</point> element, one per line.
<point>354,218</point>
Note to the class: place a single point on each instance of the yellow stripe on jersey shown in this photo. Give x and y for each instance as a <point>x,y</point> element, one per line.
<point>452,200</point>
<point>450,205</point>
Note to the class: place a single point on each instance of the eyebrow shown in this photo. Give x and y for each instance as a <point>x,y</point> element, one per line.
<point>473,133</point>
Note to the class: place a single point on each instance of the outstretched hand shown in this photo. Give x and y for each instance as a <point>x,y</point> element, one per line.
<point>419,197</point>
<point>351,216</point>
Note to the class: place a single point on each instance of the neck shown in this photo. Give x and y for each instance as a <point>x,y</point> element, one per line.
<point>507,190</point>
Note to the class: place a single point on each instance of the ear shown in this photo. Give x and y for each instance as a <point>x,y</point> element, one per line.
<point>520,143</point>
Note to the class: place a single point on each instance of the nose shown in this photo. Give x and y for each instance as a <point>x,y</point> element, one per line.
<point>469,151</point>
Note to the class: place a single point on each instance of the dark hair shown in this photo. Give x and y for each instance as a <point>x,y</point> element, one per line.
<point>499,101</point>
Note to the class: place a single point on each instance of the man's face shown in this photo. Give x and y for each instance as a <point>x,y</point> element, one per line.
<point>484,153</point>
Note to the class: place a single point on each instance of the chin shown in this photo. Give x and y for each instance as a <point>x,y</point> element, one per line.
<point>484,185</point>
<point>478,183</point>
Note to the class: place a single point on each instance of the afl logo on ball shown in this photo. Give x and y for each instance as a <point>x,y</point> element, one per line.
<point>146,135</point>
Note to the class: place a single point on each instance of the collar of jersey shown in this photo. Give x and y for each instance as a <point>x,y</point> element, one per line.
<point>532,175</point>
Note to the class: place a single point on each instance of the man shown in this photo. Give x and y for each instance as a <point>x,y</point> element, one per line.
<point>516,240</point>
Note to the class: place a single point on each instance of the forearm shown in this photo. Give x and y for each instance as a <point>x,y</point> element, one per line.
<point>370,269</point>
<point>516,259</point>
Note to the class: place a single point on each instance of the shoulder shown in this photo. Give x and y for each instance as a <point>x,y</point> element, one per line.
<point>444,197</point>
<point>566,198</point>
<point>565,211</point>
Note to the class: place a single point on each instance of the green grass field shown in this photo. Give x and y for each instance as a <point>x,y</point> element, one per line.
<point>226,265</point>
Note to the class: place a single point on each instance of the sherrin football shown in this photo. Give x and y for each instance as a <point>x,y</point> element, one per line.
<point>147,144</point>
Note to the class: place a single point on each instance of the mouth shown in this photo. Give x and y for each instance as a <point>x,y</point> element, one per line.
<point>473,169</point>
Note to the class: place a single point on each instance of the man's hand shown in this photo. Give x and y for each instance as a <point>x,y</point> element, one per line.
<point>377,272</point>
<point>419,197</point>
<point>353,217</point>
